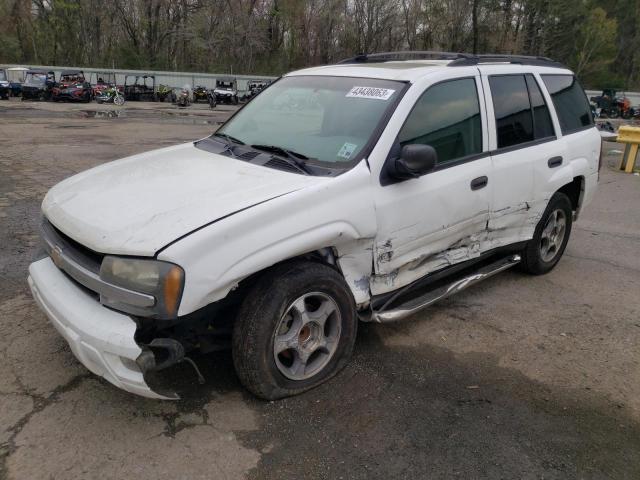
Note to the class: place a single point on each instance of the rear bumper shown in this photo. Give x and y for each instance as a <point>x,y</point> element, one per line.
<point>101,339</point>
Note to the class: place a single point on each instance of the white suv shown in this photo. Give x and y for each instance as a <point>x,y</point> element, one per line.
<point>364,190</point>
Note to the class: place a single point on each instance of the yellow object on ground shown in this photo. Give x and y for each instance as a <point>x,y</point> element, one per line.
<point>630,136</point>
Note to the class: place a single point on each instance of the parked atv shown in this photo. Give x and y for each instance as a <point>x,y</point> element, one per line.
<point>165,93</point>
<point>101,81</point>
<point>111,95</point>
<point>140,88</point>
<point>226,91</point>
<point>38,85</point>
<point>200,93</point>
<point>72,87</point>
<point>254,87</point>
<point>5,87</point>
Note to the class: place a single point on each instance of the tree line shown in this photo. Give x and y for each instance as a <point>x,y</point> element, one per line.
<point>600,40</point>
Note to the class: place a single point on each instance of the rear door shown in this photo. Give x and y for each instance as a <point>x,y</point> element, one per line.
<point>581,141</point>
<point>522,139</point>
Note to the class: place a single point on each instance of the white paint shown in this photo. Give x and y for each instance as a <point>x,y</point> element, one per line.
<point>99,337</point>
<point>223,219</point>
<point>137,205</point>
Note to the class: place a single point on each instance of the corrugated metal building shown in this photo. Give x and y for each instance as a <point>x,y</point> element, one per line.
<point>172,79</point>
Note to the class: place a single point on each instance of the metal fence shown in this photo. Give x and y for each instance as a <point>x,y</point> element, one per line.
<point>171,79</point>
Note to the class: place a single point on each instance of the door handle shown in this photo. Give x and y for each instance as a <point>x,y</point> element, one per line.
<point>554,162</point>
<point>478,183</point>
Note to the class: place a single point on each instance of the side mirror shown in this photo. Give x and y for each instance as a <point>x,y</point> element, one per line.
<point>415,160</point>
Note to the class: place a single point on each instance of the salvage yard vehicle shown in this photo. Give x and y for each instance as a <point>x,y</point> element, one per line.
<point>397,184</point>
<point>612,105</point>
<point>226,91</point>
<point>211,99</point>
<point>183,96</point>
<point>111,95</point>
<point>72,87</point>
<point>38,85</point>
<point>101,81</point>
<point>254,87</point>
<point>165,92</point>
<point>16,77</point>
<point>142,89</point>
<point>5,86</point>
<point>200,93</point>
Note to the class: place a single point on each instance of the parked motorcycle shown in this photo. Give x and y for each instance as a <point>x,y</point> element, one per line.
<point>183,98</point>
<point>111,95</point>
<point>211,99</point>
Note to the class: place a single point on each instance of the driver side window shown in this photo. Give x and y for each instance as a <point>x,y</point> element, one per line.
<point>447,117</point>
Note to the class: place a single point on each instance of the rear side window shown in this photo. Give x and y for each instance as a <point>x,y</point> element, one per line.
<point>512,109</point>
<point>447,117</point>
<point>570,101</point>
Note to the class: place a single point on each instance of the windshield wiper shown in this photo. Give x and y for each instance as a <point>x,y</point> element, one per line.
<point>229,137</point>
<point>294,157</point>
<point>229,144</point>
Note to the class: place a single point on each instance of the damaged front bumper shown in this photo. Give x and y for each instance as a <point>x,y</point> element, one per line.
<point>100,338</point>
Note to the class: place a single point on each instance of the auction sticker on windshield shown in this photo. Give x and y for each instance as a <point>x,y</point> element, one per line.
<point>347,150</point>
<point>371,92</point>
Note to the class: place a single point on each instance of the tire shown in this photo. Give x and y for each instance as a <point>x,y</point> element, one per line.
<point>270,306</point>
<point>545,249</point>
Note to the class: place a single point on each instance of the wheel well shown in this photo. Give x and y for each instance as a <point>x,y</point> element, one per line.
<point>573,190</point>
<point>325,255</point>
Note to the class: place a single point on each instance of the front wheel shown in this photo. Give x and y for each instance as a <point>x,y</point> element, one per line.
<point>118,100</point>
<point>550,238</point>
<point>295,329</point>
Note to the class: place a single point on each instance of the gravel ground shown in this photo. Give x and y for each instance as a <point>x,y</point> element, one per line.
<point>518,377</point>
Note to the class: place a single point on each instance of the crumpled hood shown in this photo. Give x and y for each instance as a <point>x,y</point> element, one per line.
<point>137,205</point>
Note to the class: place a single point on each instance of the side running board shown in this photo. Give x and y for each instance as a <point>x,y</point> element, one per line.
<point>416,304</point>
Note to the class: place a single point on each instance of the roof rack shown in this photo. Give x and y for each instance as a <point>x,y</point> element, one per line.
<point>404,55</point>
<point>457,59</point>
<point>504,58</point>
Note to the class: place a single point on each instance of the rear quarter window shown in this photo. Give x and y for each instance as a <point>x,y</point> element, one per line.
<point>570,102</point>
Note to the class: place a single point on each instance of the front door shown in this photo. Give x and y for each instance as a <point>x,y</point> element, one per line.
<point>439,219</point>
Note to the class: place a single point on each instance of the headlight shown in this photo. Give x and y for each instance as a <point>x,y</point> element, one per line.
<point>162,280</point>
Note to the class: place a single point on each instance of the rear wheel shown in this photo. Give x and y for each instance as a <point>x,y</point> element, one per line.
<point>550,238</point>
<point>295,330</point>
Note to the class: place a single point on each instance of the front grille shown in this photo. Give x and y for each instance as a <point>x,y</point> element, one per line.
<point>83,265</point>
<point>82,255</point>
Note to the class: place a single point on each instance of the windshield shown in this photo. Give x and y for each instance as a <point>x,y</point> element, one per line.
<point>329,119</point>
<point>36,78</point>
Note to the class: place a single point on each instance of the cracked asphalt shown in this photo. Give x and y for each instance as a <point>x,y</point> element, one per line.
<point>517,377</point>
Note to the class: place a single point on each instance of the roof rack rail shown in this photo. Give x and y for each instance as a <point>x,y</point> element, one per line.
<point>505,58</point>
<point>457,59</point>
<point>402,55</point>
